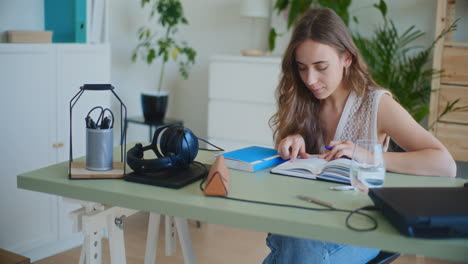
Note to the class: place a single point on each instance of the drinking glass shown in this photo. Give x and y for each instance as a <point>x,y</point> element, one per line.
<point>367,165</point>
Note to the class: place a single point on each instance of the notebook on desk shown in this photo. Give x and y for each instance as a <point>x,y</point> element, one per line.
<point>440,212</point>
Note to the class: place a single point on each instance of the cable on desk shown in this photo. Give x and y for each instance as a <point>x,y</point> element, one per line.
<point>357,211</point>
<point>218,148</point>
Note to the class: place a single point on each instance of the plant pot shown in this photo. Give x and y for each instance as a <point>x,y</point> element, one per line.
<point>154,106</point>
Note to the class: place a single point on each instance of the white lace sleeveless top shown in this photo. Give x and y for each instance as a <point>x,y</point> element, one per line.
<point>359,118</point>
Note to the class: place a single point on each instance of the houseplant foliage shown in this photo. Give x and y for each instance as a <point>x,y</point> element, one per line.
<point>397,64</point>
<point>295,8</point>
<point>157,42</point>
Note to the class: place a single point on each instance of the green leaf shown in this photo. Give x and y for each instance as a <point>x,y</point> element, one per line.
<point>272,39</point>
<point>296,9</point>
<point>174,53</point>
<point>280,5</point>
<point>339,6</point>
<point>144,2</point>
<point>382,7</point>
<point>293,12</point>
<point>151,56</point>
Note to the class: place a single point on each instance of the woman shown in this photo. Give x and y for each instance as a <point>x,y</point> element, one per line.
<point>326,97</point>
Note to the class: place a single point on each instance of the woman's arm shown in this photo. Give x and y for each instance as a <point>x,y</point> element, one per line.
<point>424,155</point>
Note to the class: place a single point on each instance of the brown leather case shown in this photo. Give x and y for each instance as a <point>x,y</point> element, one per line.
<point>217,182</point>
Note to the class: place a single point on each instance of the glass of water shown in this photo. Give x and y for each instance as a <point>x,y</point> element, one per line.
<point>367,165</point>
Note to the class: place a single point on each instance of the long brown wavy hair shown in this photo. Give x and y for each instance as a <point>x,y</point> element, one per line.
<point>298,110</point>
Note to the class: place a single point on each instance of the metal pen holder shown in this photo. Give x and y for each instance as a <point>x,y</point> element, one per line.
<point>99,142</point>
<point>99,151</point>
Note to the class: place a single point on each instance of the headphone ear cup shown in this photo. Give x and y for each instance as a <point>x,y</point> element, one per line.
<point>136,152</point>
<point>134,155</point>
<point>176,143</point>
<point>182,142</point>
<point>168,142</point>
<point>189,145</point>
<point>157,134</point>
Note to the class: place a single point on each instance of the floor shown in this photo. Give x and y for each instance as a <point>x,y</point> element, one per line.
<point>210,244</point>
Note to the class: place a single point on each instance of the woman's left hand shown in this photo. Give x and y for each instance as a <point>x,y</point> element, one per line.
<point>343,148</point>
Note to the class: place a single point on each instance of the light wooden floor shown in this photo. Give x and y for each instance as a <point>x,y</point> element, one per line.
<point>213,244</point>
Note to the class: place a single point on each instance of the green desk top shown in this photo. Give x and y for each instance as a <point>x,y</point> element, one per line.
<point>189,202</point>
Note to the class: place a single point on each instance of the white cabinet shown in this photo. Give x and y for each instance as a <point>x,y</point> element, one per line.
<point>37,83</point>
<point>242,100</point>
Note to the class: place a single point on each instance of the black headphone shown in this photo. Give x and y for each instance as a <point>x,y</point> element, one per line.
<point>178,145</point>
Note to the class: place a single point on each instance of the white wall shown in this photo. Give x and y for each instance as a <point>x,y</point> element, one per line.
<point>21,15</point>
<point>216,27</point>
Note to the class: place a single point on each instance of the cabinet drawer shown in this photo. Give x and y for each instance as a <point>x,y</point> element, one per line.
<point>238,121</point>
<point>243,80</point>
<point>454,137</point>
<point>455,65</point>
<point>451,93</point>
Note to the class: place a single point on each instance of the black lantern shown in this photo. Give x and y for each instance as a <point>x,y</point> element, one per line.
<point>123,140</point>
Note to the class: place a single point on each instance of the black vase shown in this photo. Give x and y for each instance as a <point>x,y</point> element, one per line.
<point>154,106</point>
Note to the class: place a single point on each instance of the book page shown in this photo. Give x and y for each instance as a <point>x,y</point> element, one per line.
<point>342,162</point>
<point>313,164</point>
<point>315,168</point>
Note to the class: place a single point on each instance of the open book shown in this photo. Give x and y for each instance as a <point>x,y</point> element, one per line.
<point>314,168</point>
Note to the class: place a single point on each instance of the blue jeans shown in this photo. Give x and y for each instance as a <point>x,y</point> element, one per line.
<point>294,250</point>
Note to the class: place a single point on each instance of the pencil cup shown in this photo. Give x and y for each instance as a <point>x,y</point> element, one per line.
<point>99,152</point>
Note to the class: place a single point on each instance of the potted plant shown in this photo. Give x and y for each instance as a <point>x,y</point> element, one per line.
<point>159,42</point>
<point>402,67</point>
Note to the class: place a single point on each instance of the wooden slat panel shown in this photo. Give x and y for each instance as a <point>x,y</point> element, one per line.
<point>455,139</point>
<point>456,44</point>
<point>451,93</point>
<point>450,16</point>
<point>455,65</point>
<point>437,58</point>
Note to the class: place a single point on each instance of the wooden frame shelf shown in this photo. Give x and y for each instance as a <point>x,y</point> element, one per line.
<point>452,58</point>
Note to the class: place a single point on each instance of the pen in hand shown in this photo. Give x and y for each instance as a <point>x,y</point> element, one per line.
<point>316,201</point>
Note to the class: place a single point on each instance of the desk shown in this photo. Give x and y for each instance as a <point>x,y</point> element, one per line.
<point>152,124</point>
<point>189,202</point>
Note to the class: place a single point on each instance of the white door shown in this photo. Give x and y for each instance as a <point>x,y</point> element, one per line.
<point>28,219</point>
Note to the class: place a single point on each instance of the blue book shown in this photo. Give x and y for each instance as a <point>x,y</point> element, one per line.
<point>252,158</point>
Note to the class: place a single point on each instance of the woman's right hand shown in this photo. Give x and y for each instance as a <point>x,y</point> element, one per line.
<point>292,146</point>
